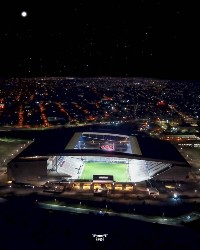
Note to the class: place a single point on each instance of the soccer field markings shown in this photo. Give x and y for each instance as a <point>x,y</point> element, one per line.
<point>99,168</point>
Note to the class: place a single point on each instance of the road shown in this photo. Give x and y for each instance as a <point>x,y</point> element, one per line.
<point>175,221</point>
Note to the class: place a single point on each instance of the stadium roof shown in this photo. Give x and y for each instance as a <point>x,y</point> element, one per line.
<point>144,148</point>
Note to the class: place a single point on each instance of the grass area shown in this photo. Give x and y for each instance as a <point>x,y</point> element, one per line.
<point>7,139</point>
<point>118,170</point>
<point>78,205</point>
<point>55,202</point>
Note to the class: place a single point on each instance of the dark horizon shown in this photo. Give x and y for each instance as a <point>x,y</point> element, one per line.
<point>150,39</point>
<point>175,79</point>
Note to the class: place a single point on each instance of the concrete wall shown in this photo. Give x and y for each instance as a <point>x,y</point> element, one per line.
<point>24,171</point>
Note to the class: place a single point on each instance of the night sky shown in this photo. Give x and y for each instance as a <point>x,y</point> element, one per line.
<point>140,38</point>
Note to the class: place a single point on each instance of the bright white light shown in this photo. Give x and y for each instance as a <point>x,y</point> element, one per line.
<point>175,196</point>
<point>23,13</point>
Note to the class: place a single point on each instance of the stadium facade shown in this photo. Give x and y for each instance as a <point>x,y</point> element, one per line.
<point>84,155</point>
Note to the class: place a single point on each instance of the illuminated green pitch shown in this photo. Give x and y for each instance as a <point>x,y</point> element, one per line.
<point>118,170</point>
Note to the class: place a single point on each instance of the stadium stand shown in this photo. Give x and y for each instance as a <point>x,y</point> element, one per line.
<point>137,170</point>
<point>140,170</point>
<point>156,167</point>
<point>72,166</point>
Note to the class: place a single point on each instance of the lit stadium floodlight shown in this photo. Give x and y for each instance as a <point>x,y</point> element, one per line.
<point>23,13</point>
<point>175,196</point>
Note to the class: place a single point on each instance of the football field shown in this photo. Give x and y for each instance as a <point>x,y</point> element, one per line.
<point>118,170</point>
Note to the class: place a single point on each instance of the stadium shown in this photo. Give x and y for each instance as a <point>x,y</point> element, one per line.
<point>93,160</point>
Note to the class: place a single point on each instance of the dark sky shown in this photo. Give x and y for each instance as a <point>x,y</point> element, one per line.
<point>100,38</point>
